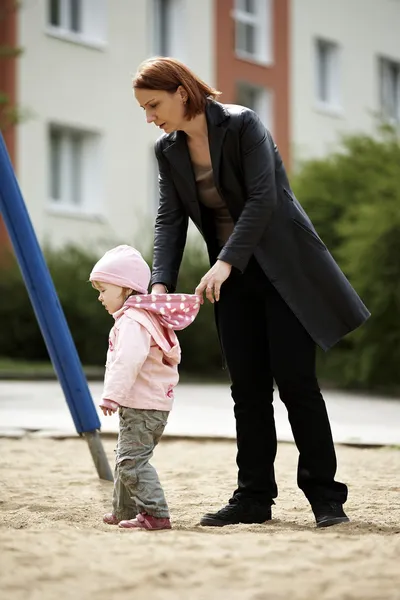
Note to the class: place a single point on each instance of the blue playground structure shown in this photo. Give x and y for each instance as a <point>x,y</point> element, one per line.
<point>49,313</point>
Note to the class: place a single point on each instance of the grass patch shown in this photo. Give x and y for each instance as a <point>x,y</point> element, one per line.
<point>9,365</point>
<point>25,369</point>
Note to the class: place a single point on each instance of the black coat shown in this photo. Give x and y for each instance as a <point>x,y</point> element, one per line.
<point>269,222</point>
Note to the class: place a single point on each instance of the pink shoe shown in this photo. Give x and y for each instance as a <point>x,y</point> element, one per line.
<point>144,521</point>
<point>110,519</point>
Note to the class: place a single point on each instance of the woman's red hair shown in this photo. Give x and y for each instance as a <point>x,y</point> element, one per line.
<point>167,74</point>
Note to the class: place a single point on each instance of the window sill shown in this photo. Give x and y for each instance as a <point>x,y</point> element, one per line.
<point>75,38</point>
<point>74,212</point>
<point>253,59</point>
<point>330,110</point>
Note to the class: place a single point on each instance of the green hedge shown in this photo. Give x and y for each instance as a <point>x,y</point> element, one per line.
<point>20,336</point>
<point>353,198</point>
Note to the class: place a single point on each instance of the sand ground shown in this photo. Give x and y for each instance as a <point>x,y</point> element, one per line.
<point>53,544</point>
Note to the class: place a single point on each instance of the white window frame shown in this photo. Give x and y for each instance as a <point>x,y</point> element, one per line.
<point>264,101</point>
<point>168,21</point>
<point>262,21</point>
<point>93,18</point>
<point>333,102</point>
<point>389,107</point>
<point>89,179</point>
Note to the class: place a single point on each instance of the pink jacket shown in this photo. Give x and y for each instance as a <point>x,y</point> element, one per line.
<point>144,351</point>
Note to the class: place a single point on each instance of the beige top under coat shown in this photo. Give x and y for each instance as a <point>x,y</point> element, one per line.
<point>209,197</point>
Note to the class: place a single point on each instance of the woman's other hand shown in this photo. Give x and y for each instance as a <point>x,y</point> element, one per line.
<point>158,288</point>
<point>213,279</point>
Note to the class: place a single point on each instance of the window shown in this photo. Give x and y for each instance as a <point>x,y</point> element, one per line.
<point>66,14</point>
<point>327,73</point>
<point>253,30</point>
<point>78,20</point>
<point>258,99</point>
<point>389,80</point>
<point>168,21</point>
<point>74,168</point>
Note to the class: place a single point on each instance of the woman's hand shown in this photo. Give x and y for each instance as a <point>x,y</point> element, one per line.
<point>158,288</point>
<point>213,279</point>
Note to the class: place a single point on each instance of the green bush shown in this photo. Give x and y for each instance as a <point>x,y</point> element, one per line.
<point>20,336</point>
<point>353,198</point>
<point>89,323</point>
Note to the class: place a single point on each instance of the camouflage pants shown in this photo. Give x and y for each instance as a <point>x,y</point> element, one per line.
<point>136,484</point>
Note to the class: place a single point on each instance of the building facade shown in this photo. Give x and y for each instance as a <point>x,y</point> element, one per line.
<point>84,158</point>
<point>345,70</point>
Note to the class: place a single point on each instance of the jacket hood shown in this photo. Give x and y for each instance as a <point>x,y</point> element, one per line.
<point>161,315</point>
<point>174,311</point>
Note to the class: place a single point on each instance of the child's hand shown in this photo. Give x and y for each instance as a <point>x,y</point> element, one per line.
<point>108,411</point>
<point>108,407</point>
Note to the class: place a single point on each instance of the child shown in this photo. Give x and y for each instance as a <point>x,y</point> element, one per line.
<point>141,373</point>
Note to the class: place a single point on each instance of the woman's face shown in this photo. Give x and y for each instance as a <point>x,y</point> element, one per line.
<point>165,109</point>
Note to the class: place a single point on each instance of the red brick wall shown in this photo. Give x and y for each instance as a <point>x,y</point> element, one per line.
<point>229,68</point>
<point>8,37</point>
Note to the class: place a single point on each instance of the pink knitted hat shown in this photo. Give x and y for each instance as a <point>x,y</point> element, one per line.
<point>123,266</point>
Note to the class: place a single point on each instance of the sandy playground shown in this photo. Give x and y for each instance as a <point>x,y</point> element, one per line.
<point>53,544</point>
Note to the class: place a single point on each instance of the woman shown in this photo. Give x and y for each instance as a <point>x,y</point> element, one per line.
<point>277,289</point>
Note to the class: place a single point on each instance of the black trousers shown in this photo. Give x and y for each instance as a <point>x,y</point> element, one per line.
<point>264,341</point>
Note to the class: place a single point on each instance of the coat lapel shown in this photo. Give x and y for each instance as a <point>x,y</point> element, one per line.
<point>217,120</point>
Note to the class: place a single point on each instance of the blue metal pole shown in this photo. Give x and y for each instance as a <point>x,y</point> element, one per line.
<point>45,302</point>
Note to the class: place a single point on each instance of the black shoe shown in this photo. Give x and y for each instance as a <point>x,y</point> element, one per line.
<point>237,512</point>
<point>329,513</point>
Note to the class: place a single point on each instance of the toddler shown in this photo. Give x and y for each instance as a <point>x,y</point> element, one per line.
<point>141,374</point>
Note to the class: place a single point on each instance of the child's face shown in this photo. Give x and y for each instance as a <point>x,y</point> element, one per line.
<point>111,296</point>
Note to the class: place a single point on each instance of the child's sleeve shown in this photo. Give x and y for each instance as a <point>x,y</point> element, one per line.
<point>131,349</point>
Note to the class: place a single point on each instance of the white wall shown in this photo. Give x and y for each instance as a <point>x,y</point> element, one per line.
<point>364,30</point>
<point>198,52</point>
<point>90,88</point>
<point>200,39</point>
<point>196,49</point>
